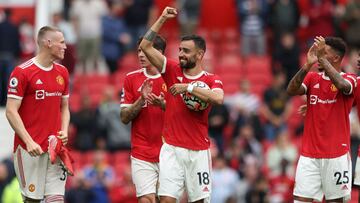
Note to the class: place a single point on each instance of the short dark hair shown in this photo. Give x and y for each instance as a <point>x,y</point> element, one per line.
<point>199,41</point>
<point>159,43</point>
<point>337,44</point>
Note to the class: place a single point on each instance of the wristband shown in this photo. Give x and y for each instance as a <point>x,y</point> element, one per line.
<point>190,88</point>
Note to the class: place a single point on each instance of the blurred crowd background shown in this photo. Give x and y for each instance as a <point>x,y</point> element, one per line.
<point>255,46</point>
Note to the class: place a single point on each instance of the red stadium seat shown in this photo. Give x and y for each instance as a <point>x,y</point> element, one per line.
<point>74,102</point>
<point>82,81</point>
<point>258,64</point>
<point>121,157</point>
<point>129,62</point>
<point>230,60</point>
<point>230,87</point>
<point>227,48</point>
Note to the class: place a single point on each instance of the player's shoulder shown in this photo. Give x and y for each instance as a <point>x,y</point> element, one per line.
<point>350,75</point>
<point>208,74</point>
<point>212,76</point>
<point>316,75</point>
<point>25,65</point>
<point>172,62</point>
<point>135,73</point>
<point>60,67</point>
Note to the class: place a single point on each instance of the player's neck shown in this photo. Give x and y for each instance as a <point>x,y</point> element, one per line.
<point>151,70</point>
<point>193,71</point>
<point>44,60</point>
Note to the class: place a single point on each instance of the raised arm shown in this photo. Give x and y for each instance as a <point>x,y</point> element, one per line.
<point>334,75</point>
<point>154,56</point>
<point>339,82</point>
<point>295,87</point>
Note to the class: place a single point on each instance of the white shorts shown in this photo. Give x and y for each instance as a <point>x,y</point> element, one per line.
<point>181,169</point>
<point>357,171</point>
<point>145,176</point>
<point>318,177</point>
<point>39,178</point>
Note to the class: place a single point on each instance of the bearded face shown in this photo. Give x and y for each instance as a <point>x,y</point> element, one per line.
<point>187,62</point>
<point>188,54</point>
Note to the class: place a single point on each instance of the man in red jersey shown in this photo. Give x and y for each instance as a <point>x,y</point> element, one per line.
<point>37,107</point>
<point>324,167</point>
<point>185,161</point>
<point>142,103</point>
<point>357,163</point>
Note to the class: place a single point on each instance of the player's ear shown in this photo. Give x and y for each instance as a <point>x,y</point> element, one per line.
<point>337,58</point>
<point>200,54</point>
<point>47,43</point>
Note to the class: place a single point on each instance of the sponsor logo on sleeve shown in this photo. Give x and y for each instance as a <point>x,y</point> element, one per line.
<point>12,90</point>
<point>218,81</point>
<point>13,82</point>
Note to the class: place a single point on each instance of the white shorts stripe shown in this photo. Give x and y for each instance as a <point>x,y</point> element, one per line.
<point>21,168</point>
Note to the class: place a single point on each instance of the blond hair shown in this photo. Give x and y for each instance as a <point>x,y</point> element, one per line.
<point>42,32</point>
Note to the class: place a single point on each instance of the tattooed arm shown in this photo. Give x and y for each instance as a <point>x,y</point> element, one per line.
<point>127,114</point>
<point>295,87</point>
<point>155,57</point>
<point>333,73</point>
<point>339,82</point>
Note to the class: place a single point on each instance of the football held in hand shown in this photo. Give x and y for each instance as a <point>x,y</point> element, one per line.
<point>193,102</point>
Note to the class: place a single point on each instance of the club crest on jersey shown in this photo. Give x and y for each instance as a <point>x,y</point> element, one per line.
<point>333,88</point>
<point>13,82</point>
<point>31,187</point>
<point>164,87</point>
<point>60,80</point>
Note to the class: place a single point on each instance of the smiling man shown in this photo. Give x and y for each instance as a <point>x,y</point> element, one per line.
<point>185,161</point>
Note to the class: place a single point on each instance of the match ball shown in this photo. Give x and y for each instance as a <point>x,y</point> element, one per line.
<point>193,102</point>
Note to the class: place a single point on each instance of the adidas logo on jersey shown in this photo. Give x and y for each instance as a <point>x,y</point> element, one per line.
<point>39,82</point>
<point>206,189</point>
<point>317,86</point>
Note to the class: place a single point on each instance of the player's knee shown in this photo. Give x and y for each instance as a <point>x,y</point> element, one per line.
<point>336,200</point>
<point>302,199</point>
<point>29,200</point>
<point>54,199</point>
<point>202,201</point>
<point>150,198</point>
<point>165,199</point>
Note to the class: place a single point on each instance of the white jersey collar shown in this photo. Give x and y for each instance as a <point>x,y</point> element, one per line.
<point>42,67</point>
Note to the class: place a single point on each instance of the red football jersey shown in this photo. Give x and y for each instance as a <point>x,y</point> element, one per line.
<point>41,90</point>
<point>357,99</point>
<point>146,128</point>
<point>327,126</point>
<point>184,127</point>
